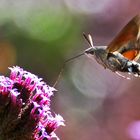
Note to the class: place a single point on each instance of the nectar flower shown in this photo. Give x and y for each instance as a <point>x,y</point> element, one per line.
<point>25,108</point>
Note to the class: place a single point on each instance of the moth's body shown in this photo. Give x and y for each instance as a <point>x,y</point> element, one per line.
<point>113,61</point>
<point>110,61</point>
<point>122,53</point>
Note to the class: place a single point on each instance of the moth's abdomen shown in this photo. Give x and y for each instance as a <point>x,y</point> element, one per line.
<point>117,62</point>
<point>132,67</point>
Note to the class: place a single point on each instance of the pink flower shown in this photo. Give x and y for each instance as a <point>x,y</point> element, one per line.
<point>25,107</point>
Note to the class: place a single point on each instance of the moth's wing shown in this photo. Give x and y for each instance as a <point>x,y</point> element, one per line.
<point>125,42</point>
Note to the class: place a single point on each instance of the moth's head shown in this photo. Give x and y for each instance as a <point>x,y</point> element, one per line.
<point>90,51</point>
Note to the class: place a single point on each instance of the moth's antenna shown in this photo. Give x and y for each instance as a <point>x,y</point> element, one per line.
<point>89,39</point>
<point>63,66</point>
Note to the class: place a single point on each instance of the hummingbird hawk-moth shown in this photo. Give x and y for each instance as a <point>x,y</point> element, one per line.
<point>123,52</point>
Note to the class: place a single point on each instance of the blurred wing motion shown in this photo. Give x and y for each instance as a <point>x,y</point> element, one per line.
<point>127,41</point>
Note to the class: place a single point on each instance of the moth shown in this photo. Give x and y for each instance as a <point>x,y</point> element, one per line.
<point>122,53</point>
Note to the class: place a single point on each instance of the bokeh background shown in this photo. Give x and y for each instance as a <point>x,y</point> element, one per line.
<point>39,35</point>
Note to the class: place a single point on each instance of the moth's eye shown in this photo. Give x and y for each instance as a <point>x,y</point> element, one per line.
<point>90,51</point>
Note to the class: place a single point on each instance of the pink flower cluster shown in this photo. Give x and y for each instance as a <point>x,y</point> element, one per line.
<point>25,107</point>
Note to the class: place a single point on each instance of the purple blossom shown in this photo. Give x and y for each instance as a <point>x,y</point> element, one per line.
<point>25,108</point>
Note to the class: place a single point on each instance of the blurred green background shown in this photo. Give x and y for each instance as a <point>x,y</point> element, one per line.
<point>39,35</point>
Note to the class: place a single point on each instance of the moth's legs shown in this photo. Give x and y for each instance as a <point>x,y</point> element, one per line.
<point>122,75</point>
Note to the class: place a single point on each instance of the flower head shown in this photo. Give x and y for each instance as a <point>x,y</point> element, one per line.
<point>25,107</point>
